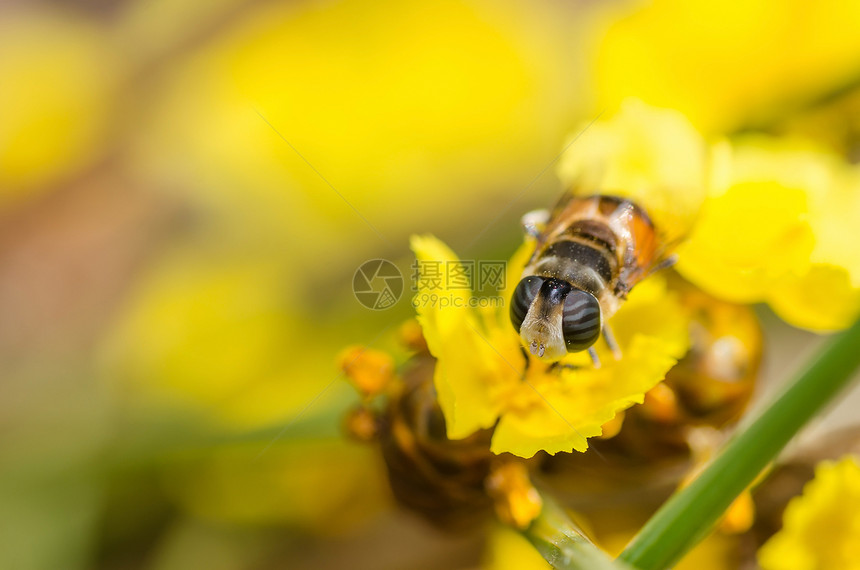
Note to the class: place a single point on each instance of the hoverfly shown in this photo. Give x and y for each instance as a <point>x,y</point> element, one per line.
<point>589,254</point>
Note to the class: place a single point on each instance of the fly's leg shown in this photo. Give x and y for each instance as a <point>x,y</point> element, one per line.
<point>594,358</point>
<point>611,342</point>
<point>534,223</point>
<point>526,356</point>
<point>559,365</point>
<point>665,264</point>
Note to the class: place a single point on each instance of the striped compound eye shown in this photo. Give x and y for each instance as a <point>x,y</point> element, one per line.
<point>524,296</point>
<point>580,322</point>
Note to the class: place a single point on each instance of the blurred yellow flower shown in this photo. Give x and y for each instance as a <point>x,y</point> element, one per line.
<point>482,375</point>
<point>517,501</point>
<point>387,101</point>
<point>206,334</point>
<point>652,156</point>
<point>508,549</point>
<point>775,228</point>
<point>725,63</point>
<point>295,483</point>
<point>821,528</point>
<point>369,371</point>
<point>58,76</point>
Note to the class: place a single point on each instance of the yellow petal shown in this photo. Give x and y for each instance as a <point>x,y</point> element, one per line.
<point>746,240</point>
<point>466,369</point>
<point>653,156</point>
<point>58,74</point>
<point>820,528</point>
<point>755,232</point>
<point>433,258</point>
<point>465,361</point>
<point>823,299</point>
<point>513,274</point>
<point>834,215</point>
<point>777,232</point>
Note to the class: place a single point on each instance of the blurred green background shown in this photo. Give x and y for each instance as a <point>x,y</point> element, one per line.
<point>186,189</point>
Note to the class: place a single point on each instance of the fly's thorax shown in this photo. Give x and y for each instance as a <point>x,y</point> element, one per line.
<point>585,265</point>
<point>600,244</point>
<point>581,265</point>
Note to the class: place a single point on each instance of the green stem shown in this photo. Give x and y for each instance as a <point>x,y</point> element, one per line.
<point>563,545</point>
<point>691,513</point>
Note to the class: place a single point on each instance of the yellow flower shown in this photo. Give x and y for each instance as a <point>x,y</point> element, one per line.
<point>439,97</point>
<point>58,75</point>
<point>482,376</point>
<point>724,63</point>
<point>821,528</point>
<point>294,483</point>
<point>205,333</point>
<point>507,549</point>
<point>653,156</point>
<point>775,230</point>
